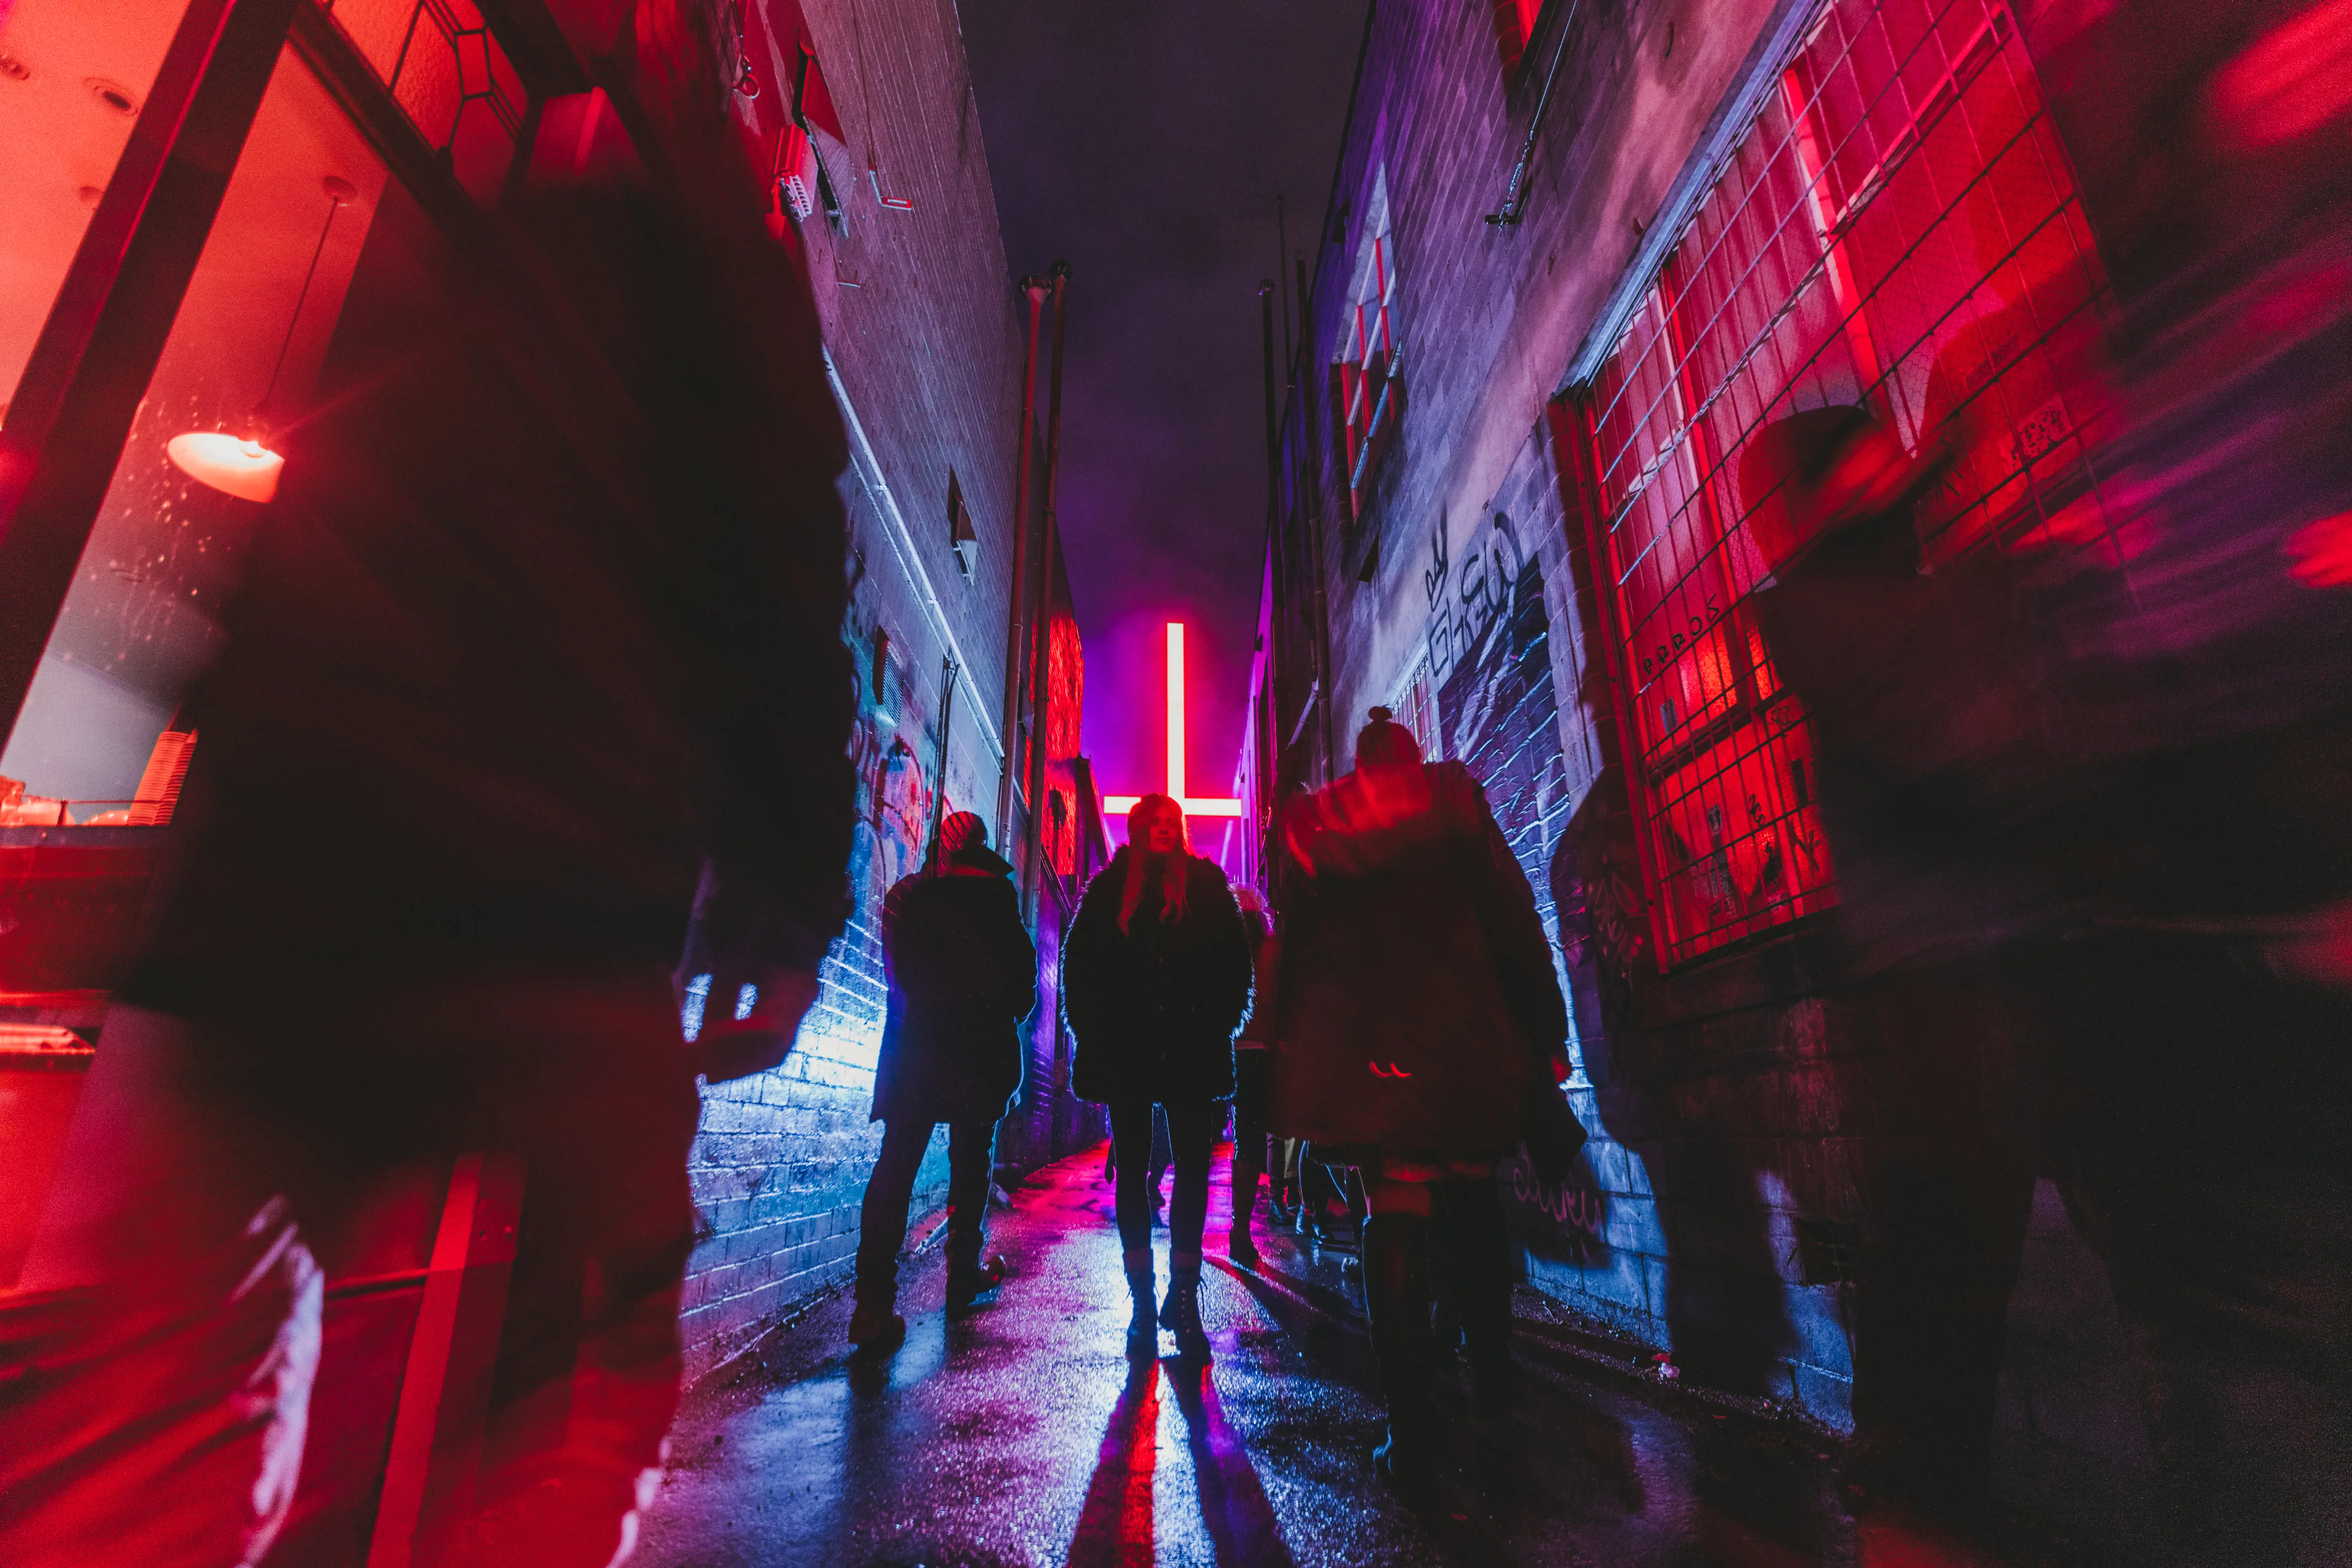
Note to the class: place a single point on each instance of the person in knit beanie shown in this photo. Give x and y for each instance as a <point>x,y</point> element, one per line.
<point>963,974</point>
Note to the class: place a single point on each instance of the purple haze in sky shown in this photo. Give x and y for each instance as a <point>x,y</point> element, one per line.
<point>1146,145</point>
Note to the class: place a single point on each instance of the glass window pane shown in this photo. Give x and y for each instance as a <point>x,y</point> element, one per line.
<point>243,358</point>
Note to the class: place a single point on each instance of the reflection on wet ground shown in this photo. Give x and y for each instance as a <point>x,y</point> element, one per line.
<point>1025,1436</point>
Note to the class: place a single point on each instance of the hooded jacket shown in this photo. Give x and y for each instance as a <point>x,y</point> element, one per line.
<point>1417,999</point>
<point>963,973</point>
<point>1154,1007</point>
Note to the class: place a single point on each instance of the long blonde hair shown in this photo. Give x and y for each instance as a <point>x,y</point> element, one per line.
<point>1175,868</point>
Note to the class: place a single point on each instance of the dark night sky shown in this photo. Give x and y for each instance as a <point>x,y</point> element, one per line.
<point>1146,143</point>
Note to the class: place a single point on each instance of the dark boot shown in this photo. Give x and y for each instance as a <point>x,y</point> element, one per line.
<point>1144,1327</point>
<point>1396,1292</point>
<point>970,1279</point>
<point>1480,1243</point>
<point>876,1326</point>
<point>1240,1246</point>
<point>1181,1310</point>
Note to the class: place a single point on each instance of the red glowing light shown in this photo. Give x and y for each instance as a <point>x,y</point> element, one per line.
<point>2320,553</point>
<point>1120,805</point>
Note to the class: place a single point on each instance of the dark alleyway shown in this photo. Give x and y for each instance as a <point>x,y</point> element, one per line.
<point>1022,1436</point>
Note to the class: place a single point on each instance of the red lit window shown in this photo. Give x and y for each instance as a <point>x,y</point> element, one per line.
<point>1898,230</point>
<point>1365,391</point>
<point>1515,24</point>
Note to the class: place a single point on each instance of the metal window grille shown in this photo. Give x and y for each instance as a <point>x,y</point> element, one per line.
<point>451,78</point>
<point>1897,230</point>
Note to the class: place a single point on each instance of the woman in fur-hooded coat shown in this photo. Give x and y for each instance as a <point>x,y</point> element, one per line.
<point>1156,975</point>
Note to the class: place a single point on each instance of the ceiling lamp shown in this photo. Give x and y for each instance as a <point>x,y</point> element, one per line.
<point>241,465</point>
<point>230,464</point>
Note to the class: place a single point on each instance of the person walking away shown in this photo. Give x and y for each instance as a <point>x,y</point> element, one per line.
<point>1156,970</point>
<point>963,974</point>
<point>540,631</point>
<point>1252,1064</point>
<point>1417,1007</point>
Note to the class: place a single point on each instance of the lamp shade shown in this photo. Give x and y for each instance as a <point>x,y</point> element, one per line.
<point>230,464</point>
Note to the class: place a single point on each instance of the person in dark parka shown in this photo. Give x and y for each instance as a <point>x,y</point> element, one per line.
<point>963,973</point>
<point>1156,973</point>
<point>1417,1007</point>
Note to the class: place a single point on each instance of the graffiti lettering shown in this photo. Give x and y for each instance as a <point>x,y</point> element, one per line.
<point>1565,1204</point>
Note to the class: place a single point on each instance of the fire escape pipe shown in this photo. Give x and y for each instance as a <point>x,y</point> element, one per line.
<point>1042,618</point>
<point>1034,287</point>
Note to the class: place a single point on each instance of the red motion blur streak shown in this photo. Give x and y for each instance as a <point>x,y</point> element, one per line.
<point>2295,80</point>
<point>1115,1526</point>
<point>2320,553</point>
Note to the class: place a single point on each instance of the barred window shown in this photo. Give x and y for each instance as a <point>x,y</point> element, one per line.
<point>1364,386</point>
<point>1897,230</point>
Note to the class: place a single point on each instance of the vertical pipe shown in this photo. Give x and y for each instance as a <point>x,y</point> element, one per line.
<point>1041,645</point>
<point>1034,287</point>
<point>1273,436</point>
<point>947,673</point>
<point>1282,271</point>
<point>1298,364</point>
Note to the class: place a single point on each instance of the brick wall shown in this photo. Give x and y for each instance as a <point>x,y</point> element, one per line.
<point>927,333</point>
<point>1717,1205</point>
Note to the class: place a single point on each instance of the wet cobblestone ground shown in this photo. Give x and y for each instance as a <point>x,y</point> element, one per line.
<point>1023,1434</point>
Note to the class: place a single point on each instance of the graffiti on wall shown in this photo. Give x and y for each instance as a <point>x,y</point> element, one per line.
<point>1498,712</point>
<point>1490,658</point>
<point>1563,1221</point>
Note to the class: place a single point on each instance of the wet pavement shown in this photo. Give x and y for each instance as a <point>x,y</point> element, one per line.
<point>1023,1434</point>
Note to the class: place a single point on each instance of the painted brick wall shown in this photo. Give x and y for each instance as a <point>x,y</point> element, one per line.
<point>926,331</point>
<point>1456,598</point>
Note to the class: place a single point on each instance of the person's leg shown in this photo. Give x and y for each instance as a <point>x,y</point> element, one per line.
<point>1397,1292</point>
<point>173,1309</point>
<point>1192,1141</point>
<point>1286,1197</point>
<point>882,1230</point>
<point>1191,1135</point>
<point>1130,1137</point>
<point>601,1120</point>
<point>1160,1158</point>
<point>971,1164</point>
<point>1250,1068</point>
<point>1477,1247</point>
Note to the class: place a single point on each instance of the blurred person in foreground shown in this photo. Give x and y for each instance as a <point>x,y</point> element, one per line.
<point>1417,1011</point>
<point>2088,963</point>
<point>1156,970</point>
<point>2213,145</point>
<point>963,974</point>
<point>541,631</point>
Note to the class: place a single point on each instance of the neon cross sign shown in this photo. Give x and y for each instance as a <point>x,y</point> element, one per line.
<point>1120,805</point>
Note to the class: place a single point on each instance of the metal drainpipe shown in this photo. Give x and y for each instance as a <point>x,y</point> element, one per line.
<point>1042,618</point>
<point>1034,287</point>
<point>940,790</point>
